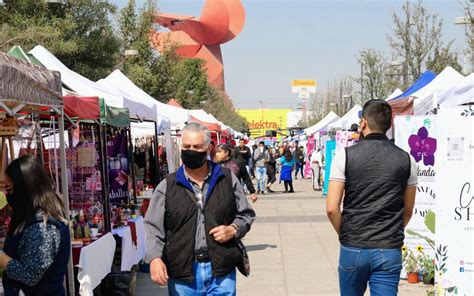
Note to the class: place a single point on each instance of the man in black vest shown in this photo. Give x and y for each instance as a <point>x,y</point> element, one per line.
<point>378,181</point>
<point>194,221</point>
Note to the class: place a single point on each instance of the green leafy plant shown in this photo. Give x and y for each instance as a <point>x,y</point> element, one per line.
<point>443,286</point>
<point>426,264</point>
<point>410,260</point>
<point>430,222</point>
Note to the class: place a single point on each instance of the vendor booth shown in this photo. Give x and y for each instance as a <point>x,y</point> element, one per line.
<point>26,89</point>
<point>106,161</point>
<point>98,168</point>
<point>163,125</point>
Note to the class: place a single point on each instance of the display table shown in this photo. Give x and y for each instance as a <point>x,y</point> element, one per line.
<point>133,242</point>
<point>140,232</point>
<point>95,263</point>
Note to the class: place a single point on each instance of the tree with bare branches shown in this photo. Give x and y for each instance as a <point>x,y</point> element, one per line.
<point>416,33</point>
<point>378,79</point>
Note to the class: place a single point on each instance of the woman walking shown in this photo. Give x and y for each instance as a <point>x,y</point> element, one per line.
<point>37,246</point>
<point>287,163</point>
<point>271,170</point>
<point>224,158</point>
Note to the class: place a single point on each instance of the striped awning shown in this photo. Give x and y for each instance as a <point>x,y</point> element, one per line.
<point>23,82</point>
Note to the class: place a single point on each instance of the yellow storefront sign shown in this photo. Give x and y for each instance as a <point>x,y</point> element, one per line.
<point>303,85</point>
<point>262,120</point>
<point>303,82</point>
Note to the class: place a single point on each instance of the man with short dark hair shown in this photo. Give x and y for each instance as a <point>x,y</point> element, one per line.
<point>194,221</point>
<point>378,181</point>
<point>299,161</point>
<point>242,153</point>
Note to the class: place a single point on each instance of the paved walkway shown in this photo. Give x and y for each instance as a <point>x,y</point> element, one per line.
<point>292,247</point>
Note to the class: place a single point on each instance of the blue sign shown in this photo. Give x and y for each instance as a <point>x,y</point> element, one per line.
<point>330,151</point>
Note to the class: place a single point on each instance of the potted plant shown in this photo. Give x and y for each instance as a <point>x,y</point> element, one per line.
<point>410,262</point>
<point>427,267</point>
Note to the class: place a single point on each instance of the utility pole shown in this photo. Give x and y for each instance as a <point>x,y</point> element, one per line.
<point>361,81</point>
<point>468,22</point>
<point>303,109</point>
<point>261,106</point>
<point>405,73</point>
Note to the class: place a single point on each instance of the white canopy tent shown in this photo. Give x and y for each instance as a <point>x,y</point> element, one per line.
<point>176,116</point>
<point>149,112</point>
<point>395,94</point>
<point>85,87</point>
<point>348,119</point>
<point>322,124</point>
<point>447,78</point>
<point>455,95</point>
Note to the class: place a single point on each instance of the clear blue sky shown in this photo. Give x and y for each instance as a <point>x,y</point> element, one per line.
<point>305,39</point>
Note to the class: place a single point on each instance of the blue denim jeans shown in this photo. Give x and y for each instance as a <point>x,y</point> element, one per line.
<point>204,283</point>
<point>299,168</point>
<point>261,178</point>
<point>380,267</point>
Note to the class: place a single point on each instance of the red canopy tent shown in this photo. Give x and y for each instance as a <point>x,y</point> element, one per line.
<point>82,107</point>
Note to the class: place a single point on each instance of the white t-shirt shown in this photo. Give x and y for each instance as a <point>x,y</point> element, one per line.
<point>338,169</point>
<point>316,156</point>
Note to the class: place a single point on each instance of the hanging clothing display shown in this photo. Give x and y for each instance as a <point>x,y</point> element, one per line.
<point>117,153</point>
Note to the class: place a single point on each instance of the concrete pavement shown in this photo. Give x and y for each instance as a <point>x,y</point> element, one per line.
<point>292,247</point>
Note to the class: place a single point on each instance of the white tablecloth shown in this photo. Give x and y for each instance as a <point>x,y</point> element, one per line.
<point>131,253</point>
<point>95,263</point>
<point>140,251</point>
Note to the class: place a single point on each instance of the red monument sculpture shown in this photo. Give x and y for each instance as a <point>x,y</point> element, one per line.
<point>201,37</point>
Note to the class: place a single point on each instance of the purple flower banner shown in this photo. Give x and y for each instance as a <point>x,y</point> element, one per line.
<point>422,147</point>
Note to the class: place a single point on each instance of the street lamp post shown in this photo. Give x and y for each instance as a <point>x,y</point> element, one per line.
<point>345,97</point>
<point>128,53</point>
<point>361,81</point>
<point>468,22</point>
<point>261,106</point>
<point>404,74</point>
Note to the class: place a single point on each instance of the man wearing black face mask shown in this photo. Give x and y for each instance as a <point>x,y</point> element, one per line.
<point>378,181</point>
<point>195,221</point>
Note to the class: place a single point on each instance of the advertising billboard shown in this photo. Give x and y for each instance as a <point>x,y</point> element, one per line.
<point>261,120</point>
<point>303,86</point>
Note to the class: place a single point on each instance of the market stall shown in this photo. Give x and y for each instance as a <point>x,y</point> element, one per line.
<point>98,163</point>
<point>29,89</point>
<point>150,139</point>
<point>100,192</point>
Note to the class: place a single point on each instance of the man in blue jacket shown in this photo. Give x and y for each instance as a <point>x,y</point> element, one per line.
<point>194,221</point>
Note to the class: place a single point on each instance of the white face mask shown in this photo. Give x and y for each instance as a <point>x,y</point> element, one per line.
<point>261,149</point>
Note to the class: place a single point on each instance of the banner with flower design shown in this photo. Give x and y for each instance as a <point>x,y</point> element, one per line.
<point>455,204</point>
<point>417,136</point>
